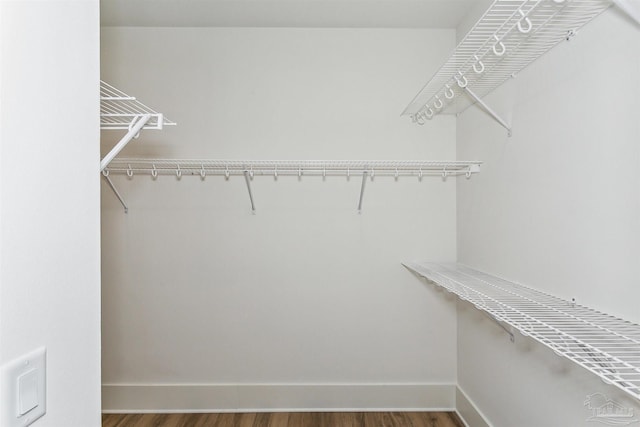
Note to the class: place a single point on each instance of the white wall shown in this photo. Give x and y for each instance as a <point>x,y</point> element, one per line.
<point>203,296</point>
<point>556,207</point>
<point>49,200</point>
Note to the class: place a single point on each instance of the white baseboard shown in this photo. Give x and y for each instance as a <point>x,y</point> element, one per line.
<point>122,398</point>
<point>468,411</point>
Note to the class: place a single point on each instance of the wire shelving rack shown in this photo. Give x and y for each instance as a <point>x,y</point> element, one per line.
<point>119,110</point>
<point>506,39</point>
<point>371,168</point>
<point>605,345</point>
<point>251,168</point>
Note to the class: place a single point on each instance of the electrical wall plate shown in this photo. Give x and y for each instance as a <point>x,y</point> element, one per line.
<point>23,392</point>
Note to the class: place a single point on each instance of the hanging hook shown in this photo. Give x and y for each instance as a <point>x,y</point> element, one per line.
<point>438,103</point>
<point>178,172</point>
<point>462,80</point>
<point>428,113</point>
<point>226,172</point>
<point>275,172</point>
<point>525,18</point>
<point>468,173</point>
<point>372,173</point>
<point>478,67</point>
<point>448,92</point>
<point>324,172</point>
<point>299,172</point>
<point>105,173</point>
<point>444,173</point>
<point>502,50</point>
<point>348,173</point>
<point>251,172</point>
<point>203,174</point>
<point>129,171</point>
<point>420,120</point>
<point>420,175</point>
<point>397,174</point>
<point>154,172</point>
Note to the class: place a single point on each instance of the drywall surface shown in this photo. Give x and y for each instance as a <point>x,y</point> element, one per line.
<point>200,293</point>
<point>49,203</point>
<point>556,207</point>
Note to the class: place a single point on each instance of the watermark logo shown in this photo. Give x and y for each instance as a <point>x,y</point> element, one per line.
<point>609,412</point>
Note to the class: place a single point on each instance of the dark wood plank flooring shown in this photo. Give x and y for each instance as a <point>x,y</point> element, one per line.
<point>287,419</point>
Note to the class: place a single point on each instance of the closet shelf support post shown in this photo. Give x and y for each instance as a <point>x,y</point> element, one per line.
<point>489,110</point>
<point>134,129</point>
<point>115,191</point>
<point>248,180</point>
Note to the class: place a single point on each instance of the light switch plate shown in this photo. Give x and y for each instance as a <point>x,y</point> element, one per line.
<point>23,389</point>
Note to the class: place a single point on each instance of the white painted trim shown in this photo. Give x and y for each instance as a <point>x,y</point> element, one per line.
<point>186,398</point>
<point>468,412</point>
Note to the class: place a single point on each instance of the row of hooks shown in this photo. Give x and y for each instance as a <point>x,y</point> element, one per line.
<point>365,169</point>
<point>203,172</point>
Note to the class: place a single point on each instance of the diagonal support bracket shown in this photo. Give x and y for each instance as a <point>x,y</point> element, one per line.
<point>488,110</point>
<point>115,191</point>
<point>364,182</point>
<point>248,180</point>
<point>134,129</point>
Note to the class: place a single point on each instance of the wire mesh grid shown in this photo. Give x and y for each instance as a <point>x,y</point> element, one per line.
<point>509,36</point>
<point>201,167</point>
<point>605,345</point>
<point>121,111</point>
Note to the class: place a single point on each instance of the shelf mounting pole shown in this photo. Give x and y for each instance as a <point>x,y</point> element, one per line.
<point>248,180</point>
<point>489,110</point>
<point>115,191</point>
<point>364,182</point>
<point>133,131</point>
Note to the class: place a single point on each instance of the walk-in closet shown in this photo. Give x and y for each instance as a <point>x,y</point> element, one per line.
<point>338,213</point>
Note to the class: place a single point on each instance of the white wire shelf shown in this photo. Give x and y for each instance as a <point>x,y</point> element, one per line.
<point>202,168</point>
<point>605,345</point>
<point>509,36</point>
<point>250,168</point>
<point>121,111</point>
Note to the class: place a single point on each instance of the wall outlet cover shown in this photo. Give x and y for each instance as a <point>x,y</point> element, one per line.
<point>23,397</point>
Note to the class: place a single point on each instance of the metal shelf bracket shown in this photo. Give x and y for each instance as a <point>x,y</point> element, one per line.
<point>115,191</point>
<point>248,181</point>
<point>364,182</point>
<point>134,129</point>
<point>489,110</point>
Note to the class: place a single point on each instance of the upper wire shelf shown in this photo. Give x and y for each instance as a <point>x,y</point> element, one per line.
<point>121,111</point>
<point>605,345</point>
<point>179,167</point>
<point>509,36</point>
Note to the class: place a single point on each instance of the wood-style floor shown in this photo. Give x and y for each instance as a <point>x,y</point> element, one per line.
<point>284,419</point>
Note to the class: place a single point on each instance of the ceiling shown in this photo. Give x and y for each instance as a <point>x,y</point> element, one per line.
<point>286,13</point>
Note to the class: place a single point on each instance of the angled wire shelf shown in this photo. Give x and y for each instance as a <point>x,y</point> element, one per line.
<point>121,111</point>
<point>605,345</point>
<point>202,168</point>
<point>509,36</point>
